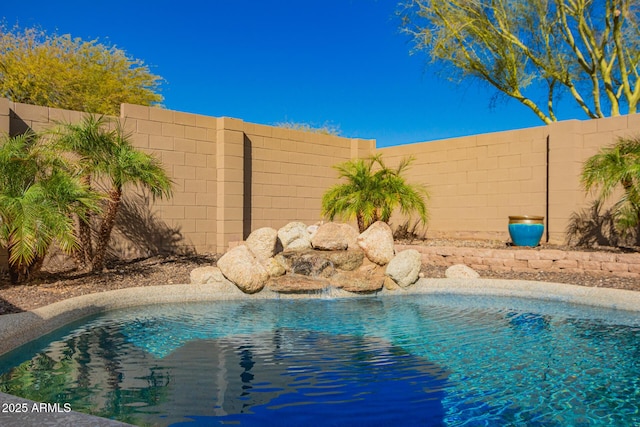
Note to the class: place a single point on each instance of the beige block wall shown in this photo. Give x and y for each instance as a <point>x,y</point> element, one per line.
<point>291,170</point>
<point>4,116</point>
<point>573,142</point>
<point>186,146</point>
<point>476,182</point>
<point>230,182</point>
<point>232,177</point>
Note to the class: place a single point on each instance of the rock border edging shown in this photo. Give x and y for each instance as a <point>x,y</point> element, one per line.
<point>530,260</point>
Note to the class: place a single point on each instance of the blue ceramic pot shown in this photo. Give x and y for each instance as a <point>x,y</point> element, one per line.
<point>526,230</point>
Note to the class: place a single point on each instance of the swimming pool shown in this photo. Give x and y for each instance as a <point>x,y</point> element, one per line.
<point>419,360</point>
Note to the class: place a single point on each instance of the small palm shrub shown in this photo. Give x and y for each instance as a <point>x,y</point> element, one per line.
<point>614,167</point>
<point>372,192</point>
<point>39,192</point>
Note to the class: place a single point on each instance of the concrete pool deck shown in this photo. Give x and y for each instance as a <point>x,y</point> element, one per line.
<point>20,328</point>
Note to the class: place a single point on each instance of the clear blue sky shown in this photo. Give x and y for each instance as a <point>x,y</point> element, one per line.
<point>342,62</point>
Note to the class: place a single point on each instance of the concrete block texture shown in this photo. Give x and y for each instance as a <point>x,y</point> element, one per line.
<point>237,175</point>
<point>4,116</point>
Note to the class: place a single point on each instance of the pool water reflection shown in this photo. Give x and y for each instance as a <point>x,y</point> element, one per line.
<point>420,360</point>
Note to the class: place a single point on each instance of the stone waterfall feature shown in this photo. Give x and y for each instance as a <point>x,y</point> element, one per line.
<point>298,258</point>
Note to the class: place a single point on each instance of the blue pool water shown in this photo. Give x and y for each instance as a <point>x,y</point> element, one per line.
<point>419,360</point>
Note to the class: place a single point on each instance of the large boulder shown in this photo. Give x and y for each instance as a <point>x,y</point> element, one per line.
<point>461,271</point>
<point>242,268</point>
<point>346,260</point>
<point>294,236</point>
<point>404,268</point>
<point>377,243</point>
<point>366,279</point>
<point>262,242</point>
<point>296,283</point>
<point>333,236</point>
<point>319,263</point>
<point>306,263</point>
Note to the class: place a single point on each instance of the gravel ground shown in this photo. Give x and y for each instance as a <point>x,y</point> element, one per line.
<point>65,283</point>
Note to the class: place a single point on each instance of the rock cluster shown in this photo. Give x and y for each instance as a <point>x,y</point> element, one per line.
<point>297,258</point>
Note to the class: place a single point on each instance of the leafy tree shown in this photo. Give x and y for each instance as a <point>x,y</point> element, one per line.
<point>372,192</point>
<point>589,49</point>
<point>614,167</point>
<point>70,73</point>
<point>105,152</point>
<point>325,129</point>
<point>38,194</point>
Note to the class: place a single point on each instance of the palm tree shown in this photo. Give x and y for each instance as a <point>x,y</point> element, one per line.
<point>38,195</point>
<point>125,165</point>
<point>108,154</point>
<point>614,167</point>
<point>90,141</point>
<point>372,194</point>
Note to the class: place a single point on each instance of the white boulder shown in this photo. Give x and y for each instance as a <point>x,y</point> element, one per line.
<point>461,271</point>
<point>294,236</point>
<point>377,243</point>
<point>404,268</point>
<point>262,242</point>
<point>241,267</point>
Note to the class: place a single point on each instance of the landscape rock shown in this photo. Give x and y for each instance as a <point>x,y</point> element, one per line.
<point>390,285</point>
<point>404,268</point>
<point>377,243</point>
<point>294,236</point>
<point>204,275</point>
<point>351,235</point>
<point>242,268</point>
<point>296,283</point>
<point>330,237</point>
<point>262,242</point>
<point>273,267</point>
<point>346,260</point>
<point>461,271</point>
<point>313,229</point>
<point>366,279</point>
<point>314,263</point>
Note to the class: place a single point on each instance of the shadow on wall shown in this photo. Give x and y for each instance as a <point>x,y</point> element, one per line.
<point>18,126</point>
<point>595,226</point>
<point>247,179</point>
<point>140,233</point>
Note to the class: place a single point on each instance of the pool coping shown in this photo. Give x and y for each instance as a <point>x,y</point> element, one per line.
<point>20,328</point>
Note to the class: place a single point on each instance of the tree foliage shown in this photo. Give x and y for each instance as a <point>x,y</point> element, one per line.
<point>588,49</point>
<point>105,152</point>
<point>324,129</point>
<point>373,192</point>
<point>617,167</point>
<point>70,73</point>
<point>39,191</point>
